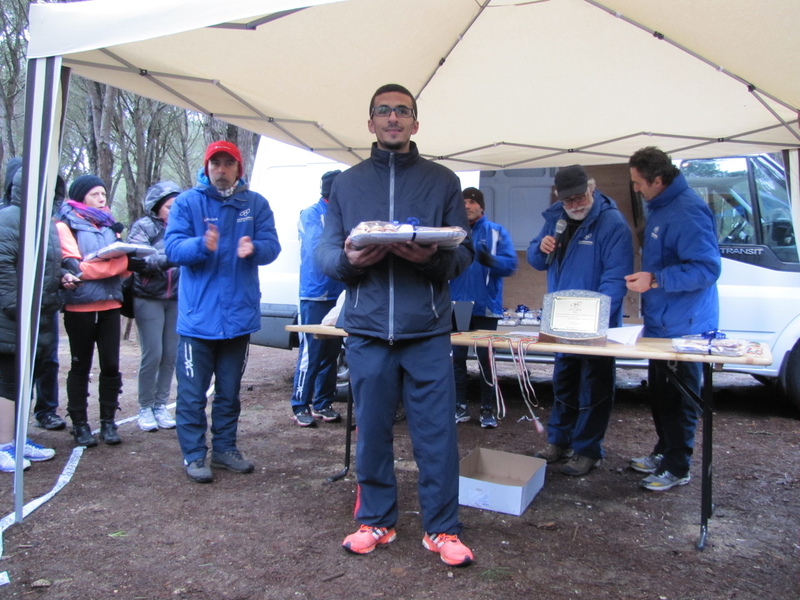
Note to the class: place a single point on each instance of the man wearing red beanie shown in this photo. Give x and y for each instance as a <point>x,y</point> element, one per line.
<point>219,233</point>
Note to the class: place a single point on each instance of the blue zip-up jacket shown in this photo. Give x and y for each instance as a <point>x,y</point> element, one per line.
<point>219,293</point>
<point>314,284</point>
<point>598,256</point>
<point>680,249</point>
<point>395,299</point>
<point>481,284</point>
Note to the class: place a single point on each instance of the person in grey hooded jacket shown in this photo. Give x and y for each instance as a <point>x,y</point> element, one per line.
<point>155,295</point>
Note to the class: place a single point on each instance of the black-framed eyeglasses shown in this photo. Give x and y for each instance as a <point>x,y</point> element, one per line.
<point>576,199</point>
<point>385,110</point>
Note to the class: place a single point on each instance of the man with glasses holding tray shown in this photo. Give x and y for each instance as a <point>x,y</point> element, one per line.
<point>398,316</point>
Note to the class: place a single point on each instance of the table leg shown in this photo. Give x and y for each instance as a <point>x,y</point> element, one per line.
<point>347,438</point>
<point>705,403</point>
<point>707,506</point>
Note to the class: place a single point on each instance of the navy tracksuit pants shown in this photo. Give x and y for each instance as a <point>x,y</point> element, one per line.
<point>674,414</point>
<point>315,373</point>
<point>418,373</point>
<point>198,360</point>
<point>583,396</point>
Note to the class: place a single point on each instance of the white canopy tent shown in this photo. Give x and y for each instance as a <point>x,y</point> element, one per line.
<point>499,83</point>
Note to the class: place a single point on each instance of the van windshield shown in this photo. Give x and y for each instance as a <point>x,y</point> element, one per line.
<point>746,214</point>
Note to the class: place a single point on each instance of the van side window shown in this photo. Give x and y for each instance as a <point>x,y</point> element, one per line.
<point>774,207</point>
<point>723,184</point>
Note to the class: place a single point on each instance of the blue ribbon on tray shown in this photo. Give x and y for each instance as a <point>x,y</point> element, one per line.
<point>711,335</point>
<point>414,222</point>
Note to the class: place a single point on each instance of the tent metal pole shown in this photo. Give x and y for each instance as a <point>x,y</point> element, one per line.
<point>40,111</point>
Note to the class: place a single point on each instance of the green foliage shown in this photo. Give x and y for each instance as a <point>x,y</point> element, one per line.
<point>495,573</point>
<point>13,46</point>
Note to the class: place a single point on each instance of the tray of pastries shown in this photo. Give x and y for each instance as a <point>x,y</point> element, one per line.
<point>383,232</point>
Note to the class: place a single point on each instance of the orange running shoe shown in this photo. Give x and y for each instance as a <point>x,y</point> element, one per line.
<point>367,538</point>
<point>449,548</point>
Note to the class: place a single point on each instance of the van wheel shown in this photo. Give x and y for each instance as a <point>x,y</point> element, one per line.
<point>793,375</point>
<point>770,381</point>
<point>342,376</point>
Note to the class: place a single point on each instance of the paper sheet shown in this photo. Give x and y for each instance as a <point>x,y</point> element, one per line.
<point>624,335</point>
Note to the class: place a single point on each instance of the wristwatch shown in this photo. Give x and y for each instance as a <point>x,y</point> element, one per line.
<point>653,282</point>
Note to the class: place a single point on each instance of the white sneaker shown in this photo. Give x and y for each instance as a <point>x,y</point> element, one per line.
<point>147,421</point>
<point>36,453</point>
<point>8,458</point>
<point>163,418</point>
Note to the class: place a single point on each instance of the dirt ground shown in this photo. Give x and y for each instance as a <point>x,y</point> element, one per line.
<point>130,525</point>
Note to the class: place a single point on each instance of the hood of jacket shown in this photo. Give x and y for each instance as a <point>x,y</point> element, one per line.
<point>157,192</point>
<point>13,167</point>
<point>15,190</point>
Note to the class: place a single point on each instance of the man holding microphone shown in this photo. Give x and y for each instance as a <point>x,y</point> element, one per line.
<point>585,244</point>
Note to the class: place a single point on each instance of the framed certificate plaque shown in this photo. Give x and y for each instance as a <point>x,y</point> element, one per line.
<point>575,317</point>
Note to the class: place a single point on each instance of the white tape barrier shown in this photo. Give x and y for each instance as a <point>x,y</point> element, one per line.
<point>63,479</point>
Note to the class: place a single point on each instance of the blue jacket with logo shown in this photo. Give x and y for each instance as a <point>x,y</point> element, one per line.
<point>314,284</point>
<point>597,258</point>
<point>481,284</point>
<point>395,299</point>
<point>219,293</point>
<point>680,249</point>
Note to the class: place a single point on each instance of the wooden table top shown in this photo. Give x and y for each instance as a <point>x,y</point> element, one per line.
<point>645,348</point>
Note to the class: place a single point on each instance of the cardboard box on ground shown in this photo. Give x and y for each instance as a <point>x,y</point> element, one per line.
<point>499,481</point>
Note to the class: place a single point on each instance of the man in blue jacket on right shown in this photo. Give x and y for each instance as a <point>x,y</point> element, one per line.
<point>678,283</point>
<point>594,253</point>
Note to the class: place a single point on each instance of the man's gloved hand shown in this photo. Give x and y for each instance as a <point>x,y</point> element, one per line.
<point>136,264</point>
<point>485,258</point>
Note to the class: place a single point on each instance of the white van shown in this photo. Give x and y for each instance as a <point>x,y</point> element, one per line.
<point>759,289</point>
<point>760,283</point>
<point>289,178</point>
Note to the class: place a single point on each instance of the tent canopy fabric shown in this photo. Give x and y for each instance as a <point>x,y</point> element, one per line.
<point>499,83</point>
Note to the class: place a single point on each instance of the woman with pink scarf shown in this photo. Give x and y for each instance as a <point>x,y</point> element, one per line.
<point>91,314</point>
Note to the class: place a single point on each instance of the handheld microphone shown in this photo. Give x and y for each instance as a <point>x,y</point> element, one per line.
<point>561,226</point>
